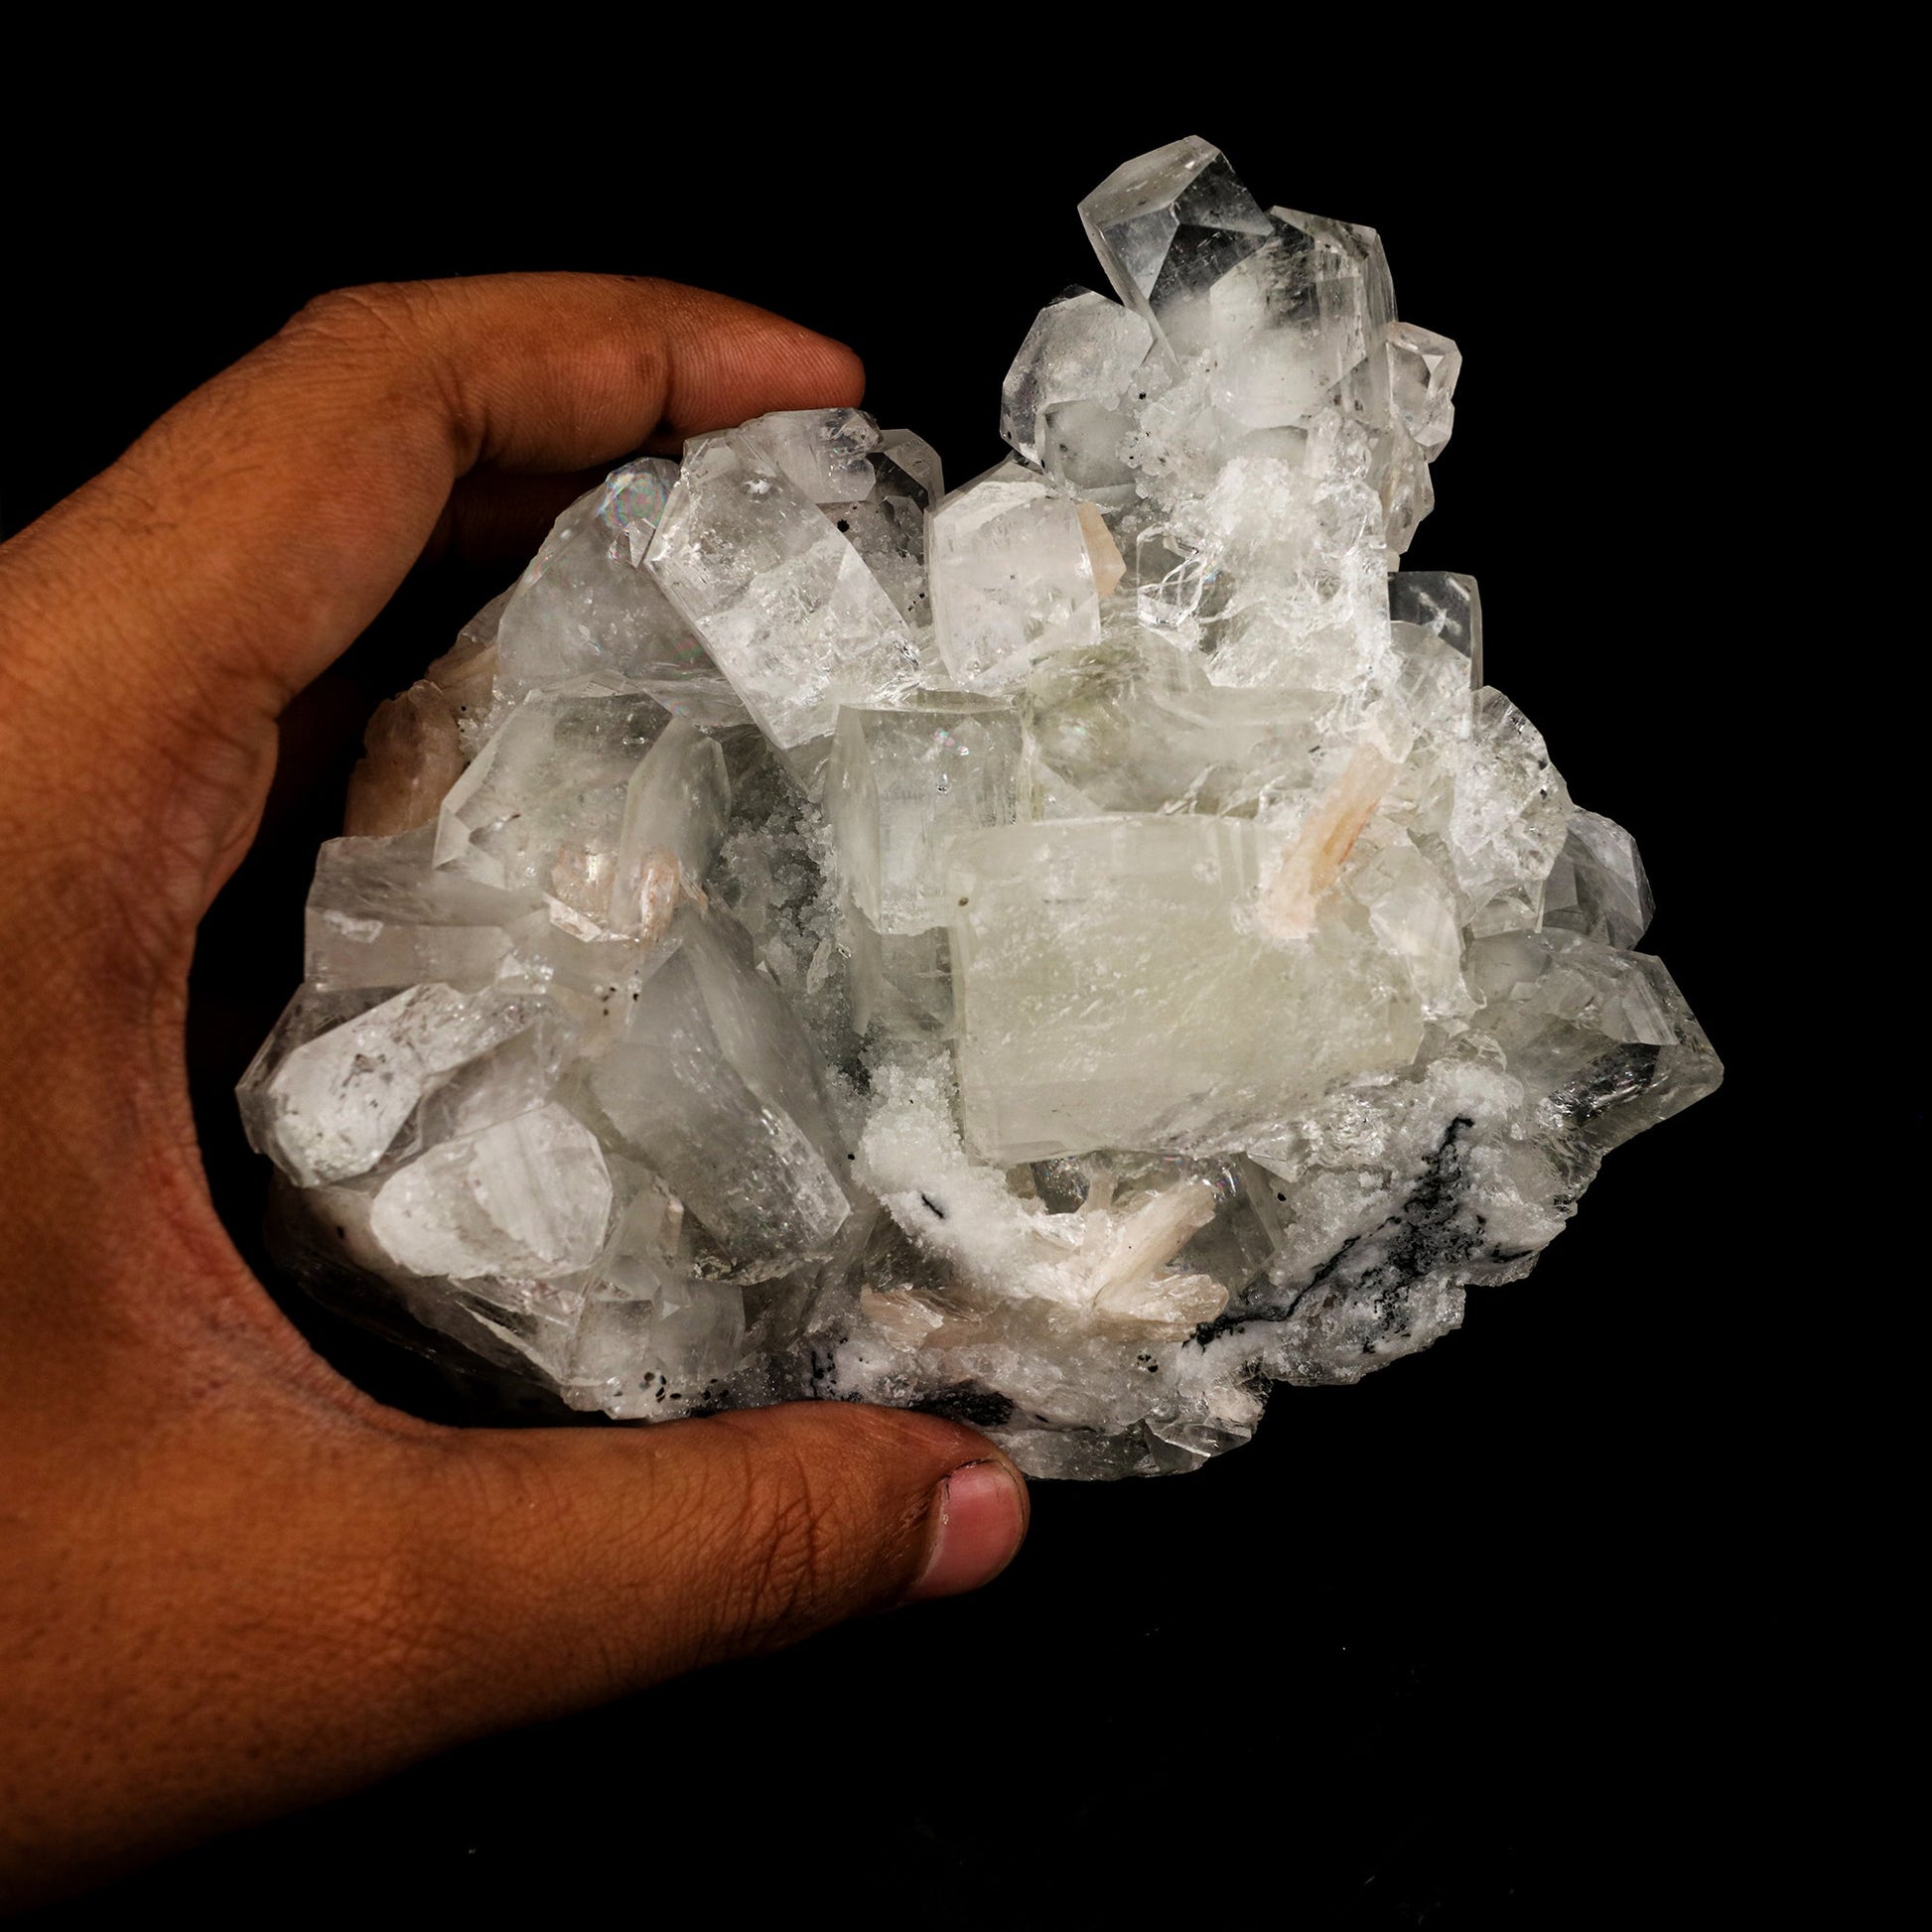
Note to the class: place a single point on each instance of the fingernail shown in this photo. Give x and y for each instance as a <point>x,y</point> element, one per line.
<point>980,1518</point>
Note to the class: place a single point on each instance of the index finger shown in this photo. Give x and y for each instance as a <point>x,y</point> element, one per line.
<point>255,531</point>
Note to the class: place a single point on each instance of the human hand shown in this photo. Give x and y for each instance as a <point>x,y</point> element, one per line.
<point>229,1583</point>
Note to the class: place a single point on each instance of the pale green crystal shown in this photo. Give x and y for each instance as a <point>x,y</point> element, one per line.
<point>1079,945</point>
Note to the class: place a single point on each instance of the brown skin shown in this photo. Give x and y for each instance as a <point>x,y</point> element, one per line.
<point>229,1583</point>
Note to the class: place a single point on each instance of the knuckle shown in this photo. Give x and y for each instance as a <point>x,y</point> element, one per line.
<point>401,339</point>
<point>374,314</point>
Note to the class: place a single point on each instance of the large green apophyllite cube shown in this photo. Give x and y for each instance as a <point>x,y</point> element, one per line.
<point>1117,988</point>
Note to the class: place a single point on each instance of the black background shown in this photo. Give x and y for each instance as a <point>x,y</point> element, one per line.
<point>1464,1645</point>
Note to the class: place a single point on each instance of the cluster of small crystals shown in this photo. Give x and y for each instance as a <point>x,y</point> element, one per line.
<point>1067,952</point>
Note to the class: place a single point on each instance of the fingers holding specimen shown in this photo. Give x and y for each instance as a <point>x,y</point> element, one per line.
<point>553,372</point>
<point>247,538</point>
<point>266,521</point>
<point>337,1593</point>
<point>590,1563</point>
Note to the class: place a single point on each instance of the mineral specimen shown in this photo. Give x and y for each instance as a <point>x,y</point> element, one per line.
<point>1068,951</point>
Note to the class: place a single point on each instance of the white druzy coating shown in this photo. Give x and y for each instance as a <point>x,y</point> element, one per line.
<point>1067,952</point>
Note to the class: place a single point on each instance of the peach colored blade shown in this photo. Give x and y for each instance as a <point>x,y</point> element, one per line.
<point>1321,845</point>
<point>412,756</point>
<point>1109,567</point>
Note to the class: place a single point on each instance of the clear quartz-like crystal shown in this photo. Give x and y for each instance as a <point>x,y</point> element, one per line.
<point>712,1084</point>
<point>1080,356</point>
<point>541,808</point>
<point>905,785</point>
<point>822,452</point>
<point>785,602</point>
<point>527,1197</point>
<point>1013,577</point>
<point>587,610</point>
<point>331,1090</point>
<point>1067,952</point>
<point>675,808</point>
<point>1444,604</point>
<point>381,914</point>
<point>1168,227</point>
<point>1423,370</point>
<point>1598,886</point>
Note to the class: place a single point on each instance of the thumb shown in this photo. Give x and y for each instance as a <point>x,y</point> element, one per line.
<point>567,1567</point>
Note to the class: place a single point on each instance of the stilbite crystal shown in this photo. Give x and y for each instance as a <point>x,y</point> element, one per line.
<point>1066,952</point>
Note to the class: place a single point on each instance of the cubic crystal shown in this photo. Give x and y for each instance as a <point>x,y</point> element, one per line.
<point>1078,943</point>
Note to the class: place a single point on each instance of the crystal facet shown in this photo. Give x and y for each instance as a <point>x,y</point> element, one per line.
<point>786,603</point>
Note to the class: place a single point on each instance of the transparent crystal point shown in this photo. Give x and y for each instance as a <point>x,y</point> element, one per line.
<point>1300,326</point>
<point>675,810</point>
<point>541,808</point>
<point>380,914</point>
<point>887,523</point>
<point>652,1336</point>
<point>1079,357</point>
<point>335,1083</point>
<point>824,454</point>
<point>1423,371</point>
<point>714,1085</point>
<point>1012,577</point>
<point>1600,1037</point>
<point>588,609</point>
<point>1598,886</point>
<point>782,598</point>
<point>527,1196</point>
<point>1169,224</point>
<point>903,786</point>
<point>1447,605</point>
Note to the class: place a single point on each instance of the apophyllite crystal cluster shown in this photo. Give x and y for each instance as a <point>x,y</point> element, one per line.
<point>1069,951</point>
